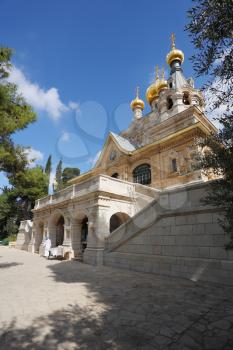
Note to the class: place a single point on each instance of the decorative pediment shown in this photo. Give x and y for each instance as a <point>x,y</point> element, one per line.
<point>114,146</point>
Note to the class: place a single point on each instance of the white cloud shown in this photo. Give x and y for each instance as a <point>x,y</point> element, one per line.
<point>33,155</point>
<point>65,136</point>
<point>211,97</point>
<point>44,100</point>
<point>73,105</point>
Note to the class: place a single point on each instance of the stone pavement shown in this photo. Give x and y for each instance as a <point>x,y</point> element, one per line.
<point>53,305</point>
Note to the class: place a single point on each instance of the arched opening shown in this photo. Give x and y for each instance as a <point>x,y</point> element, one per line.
<point>60,231</point>
<point>174,165</point>
<point>142,174</point>
<point>115,175</point>
<point>186,98</point>
<point>169,103</point>
<point>84,233</point>
<point>117,220</point>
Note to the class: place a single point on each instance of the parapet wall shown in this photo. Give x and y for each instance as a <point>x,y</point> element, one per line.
<point>176,236</point>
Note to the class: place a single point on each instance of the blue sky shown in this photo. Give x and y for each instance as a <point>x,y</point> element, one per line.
<point>78,63</point>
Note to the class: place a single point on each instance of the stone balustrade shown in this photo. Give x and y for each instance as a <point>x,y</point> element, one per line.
<point>99,183</point>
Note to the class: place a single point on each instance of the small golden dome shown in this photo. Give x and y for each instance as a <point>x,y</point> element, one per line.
<point>162,84</point>
<point>174,54</point>
<point>137,102</point>
<point>152,91</point>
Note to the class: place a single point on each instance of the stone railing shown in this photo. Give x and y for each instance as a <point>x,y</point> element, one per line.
<point>98,183</point>
<point>176,201</point>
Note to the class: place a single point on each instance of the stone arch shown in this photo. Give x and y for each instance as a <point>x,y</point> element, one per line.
<point>169,102</point>
<point>84,233</point>
<point>117,220</point>
<point>56,228</point>
<point>186,98</point>
<point>79,217</point>
<point>115,175</point>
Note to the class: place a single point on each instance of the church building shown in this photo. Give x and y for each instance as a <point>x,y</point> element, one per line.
<point>143,166</point>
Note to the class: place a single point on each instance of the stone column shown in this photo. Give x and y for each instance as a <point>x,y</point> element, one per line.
<point>46,232</point>
<point>67,233</point>
<point>31,245</point>
<point>76,227</point>
<point>98,229</point>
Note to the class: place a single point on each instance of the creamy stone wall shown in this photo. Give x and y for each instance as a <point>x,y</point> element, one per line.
<point>96,199</point>
<point>174,236</point>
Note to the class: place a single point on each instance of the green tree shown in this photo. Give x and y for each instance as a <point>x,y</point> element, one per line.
<point>58,177</point>
<point>211,26</point>
<point>28,185</point>
<point>218,158</point>
<point>68,174</point>
<point>15,115</point>
<point>48,166</point>
<point>8,210</point>
<point>48,169</point>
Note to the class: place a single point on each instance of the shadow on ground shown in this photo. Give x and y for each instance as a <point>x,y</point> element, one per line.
<point>7,265</point>
<point>130,311</point>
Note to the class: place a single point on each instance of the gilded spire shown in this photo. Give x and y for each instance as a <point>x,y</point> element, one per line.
<point>174,54</point>
<point>137,91</point>
<point>162,83</point>
<point>173,41</point>
<point>162,73</point>
<point>156,72</point>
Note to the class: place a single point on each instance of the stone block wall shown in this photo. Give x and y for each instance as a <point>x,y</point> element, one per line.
<point>184,242</point>
<point>24,235</point>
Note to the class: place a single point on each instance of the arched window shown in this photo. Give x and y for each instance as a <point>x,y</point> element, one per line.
<point>186,99</point>
<point>115,175</point>
<point>174,165</point>
<point>169,103</point>
<point>142,174</point>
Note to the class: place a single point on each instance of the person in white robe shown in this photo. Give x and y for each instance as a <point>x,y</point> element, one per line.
<point>47,246</point>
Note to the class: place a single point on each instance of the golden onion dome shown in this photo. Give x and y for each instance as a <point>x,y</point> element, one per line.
<point>152,91</point>
<point>137,102</point>
<point>162,84</point>
<point>174,54</point>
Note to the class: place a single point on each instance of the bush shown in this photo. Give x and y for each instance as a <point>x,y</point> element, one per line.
<point>5,241</point>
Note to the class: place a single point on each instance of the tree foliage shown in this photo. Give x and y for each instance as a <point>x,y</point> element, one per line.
<point>211,28</point>
<point>27,184</point>
<point>218,158</point>
<point>58,177</point>
<point>15,115</point>
<point>8,212</point>
<point>63,176</point>
<point>48,169</point>
<point>69,173</point>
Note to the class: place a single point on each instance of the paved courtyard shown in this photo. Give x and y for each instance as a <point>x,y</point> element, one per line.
<point>53,305</point>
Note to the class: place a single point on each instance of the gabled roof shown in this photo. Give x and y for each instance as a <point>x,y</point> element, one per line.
<point>121,143</point>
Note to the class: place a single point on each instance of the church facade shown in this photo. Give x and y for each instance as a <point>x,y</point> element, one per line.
<point>156,153</point>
